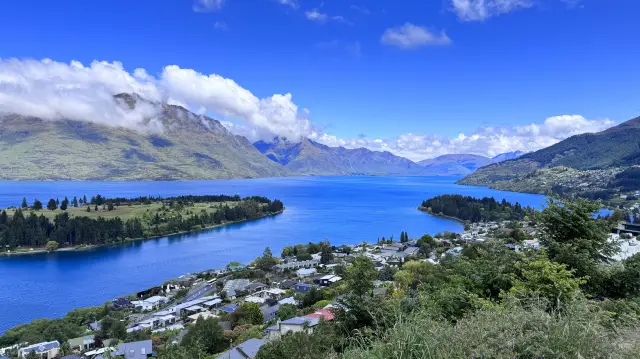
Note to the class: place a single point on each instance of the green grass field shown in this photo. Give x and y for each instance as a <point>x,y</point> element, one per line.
<point>125,211</point>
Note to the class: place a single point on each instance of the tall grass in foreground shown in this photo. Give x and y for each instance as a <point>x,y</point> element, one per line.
<point>582,330</point>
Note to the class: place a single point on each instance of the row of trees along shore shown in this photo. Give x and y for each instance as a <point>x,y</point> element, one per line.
<point>28,228</point>
<point>475,210</point>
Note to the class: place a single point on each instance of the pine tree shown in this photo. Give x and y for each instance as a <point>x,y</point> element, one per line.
<point>24,203</point>
<point>37,205</point>
<point>84,199</point>
<point>57,202</point>
<point>64,204</point>
<point>75,201</point>
<point>52,205</point>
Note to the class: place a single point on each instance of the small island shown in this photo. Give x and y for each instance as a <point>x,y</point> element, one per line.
<point>474,210</point>
<point>82,223</point>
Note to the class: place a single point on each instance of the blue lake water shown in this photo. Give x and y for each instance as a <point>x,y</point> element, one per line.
<point>343,210</point>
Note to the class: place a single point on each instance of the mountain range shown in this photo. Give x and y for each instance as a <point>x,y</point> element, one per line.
<point>311,158</point>
<point>187,146</point>
<point>618,146</point>
<point>462,164</point>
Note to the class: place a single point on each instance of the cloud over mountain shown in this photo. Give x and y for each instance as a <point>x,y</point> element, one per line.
<point>54,90</point>
<point>486,141</point>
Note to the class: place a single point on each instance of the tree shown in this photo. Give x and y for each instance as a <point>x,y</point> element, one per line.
<point>24,203</point>
<point>404,237</point>
<point>37,205</point>
<point>207,334</point>
<point>287,311</point>
<point>88,208</point>
<point>573,237</point>
<point>386,273</point>
<point>57,201</point>
<point>266,262</point>
<point>74,202</point>
<point>51,205</point>
<point>64,204</point>
<point>361,275</point>
<point>546,279</point>
<point>84,199</point>
<point>247,313</point>
<point>326,254</point>
<point>52,246</point>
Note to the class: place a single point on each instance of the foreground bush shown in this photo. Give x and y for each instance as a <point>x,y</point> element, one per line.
<point>509,331</point>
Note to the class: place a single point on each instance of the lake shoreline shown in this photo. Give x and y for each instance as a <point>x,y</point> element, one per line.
<point>41,250</point>
<point>426,210</point>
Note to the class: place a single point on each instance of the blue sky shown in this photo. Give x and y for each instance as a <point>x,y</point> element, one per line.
<point>445,67</point>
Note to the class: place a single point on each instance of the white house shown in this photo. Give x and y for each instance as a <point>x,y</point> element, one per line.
<point>295,325</point>
<point>45,350</point>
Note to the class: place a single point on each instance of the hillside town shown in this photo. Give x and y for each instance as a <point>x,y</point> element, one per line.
<point>290,294</point>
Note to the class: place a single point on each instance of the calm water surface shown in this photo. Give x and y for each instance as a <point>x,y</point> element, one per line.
<point>343,210</point>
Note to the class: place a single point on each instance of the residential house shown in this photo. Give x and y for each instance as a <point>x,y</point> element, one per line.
<point>94,326</point>
<point>72,356</point>
<point>255,287</point>
<point>328,280</point>
<point>270,312</point>
<point>412,251</point>
<point>82,344</point>
<point>150,303</point>
<point>202,315</point>
<point>228,308</point>
<point>233,286</point>
<point>45,350</point>
<point>135,350</point>
<point>5,351</point>
<point>288,300</point>
<point>180,309</point>
<point>212,304</point>
<point>305,272</point>
<point>302,287</point>
<point>287,284</point>
<point>297,264</point>
<point>295,325</point>
<point>246,350</point>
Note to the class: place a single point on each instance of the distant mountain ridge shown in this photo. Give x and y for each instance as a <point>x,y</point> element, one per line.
<point>189,147</point>
<point>618,146</point>
<point>462,164</point>
<point>308,157</point>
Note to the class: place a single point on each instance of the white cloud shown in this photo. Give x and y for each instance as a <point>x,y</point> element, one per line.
<point>207,5</point>
<point>315,15</point>
<point>409,36</point>
<point>488,141</point>
<point>292,3</point>
<point>479,10</point>
<point>54,90</point>
<point>320,17</point>
<point>220,25</point>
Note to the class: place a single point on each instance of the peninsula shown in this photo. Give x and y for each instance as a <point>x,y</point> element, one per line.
<point>82,223</point>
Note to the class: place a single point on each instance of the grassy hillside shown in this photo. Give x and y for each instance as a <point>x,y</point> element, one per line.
<point>190,147</point>
<point>618,146</point>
